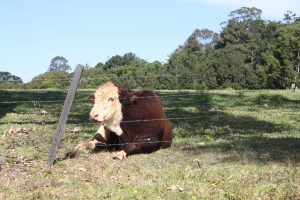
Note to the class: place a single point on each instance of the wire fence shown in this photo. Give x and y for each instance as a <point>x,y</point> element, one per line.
<point>173,97</point>
<point>39,108</point>
<point>34,101</point>
<point>100,144</point>
<point>212,115</point>
<point>59,103</point>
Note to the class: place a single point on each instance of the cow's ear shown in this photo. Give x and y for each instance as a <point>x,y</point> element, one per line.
<point>133,99</point>
<point>91,99</point>
<point>124,100</point>
<point>128,100</point>
<point>127,97</point>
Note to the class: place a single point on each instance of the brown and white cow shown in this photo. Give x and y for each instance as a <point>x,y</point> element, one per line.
<point>131,122</point>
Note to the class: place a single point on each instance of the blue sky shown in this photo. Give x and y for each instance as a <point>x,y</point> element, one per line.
<point>91,31</point>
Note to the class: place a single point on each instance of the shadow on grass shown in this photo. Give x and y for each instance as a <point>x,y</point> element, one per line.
<point>25,100</point>
<point>253,148</point>
<point>32,102</point>
<point>275,100</point>
<point>243,134</point>
<point>206,109</point>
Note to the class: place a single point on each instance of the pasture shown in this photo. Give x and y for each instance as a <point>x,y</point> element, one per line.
<point>227,145</point>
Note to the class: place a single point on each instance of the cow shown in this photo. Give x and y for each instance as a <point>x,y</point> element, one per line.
<point>131,122</point>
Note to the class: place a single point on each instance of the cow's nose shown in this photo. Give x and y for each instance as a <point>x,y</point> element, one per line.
<point>94,119</point>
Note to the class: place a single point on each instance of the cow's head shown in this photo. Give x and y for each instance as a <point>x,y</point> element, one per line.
<point>107,107</point>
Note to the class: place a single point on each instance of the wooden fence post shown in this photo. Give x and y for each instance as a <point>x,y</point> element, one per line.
<point>64,115</point>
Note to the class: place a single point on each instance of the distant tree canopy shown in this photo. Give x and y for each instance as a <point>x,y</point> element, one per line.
<point>9,81</point>
<point>52,79</point>
<point>8,77</point>
<point>118,61</point>
<point>290,17</point>
<point>59,64</point>
<point>248,53</point>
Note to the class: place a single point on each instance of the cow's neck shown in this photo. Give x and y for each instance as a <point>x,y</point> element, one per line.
<point>114,124</point>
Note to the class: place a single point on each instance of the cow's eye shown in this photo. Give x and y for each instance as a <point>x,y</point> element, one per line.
<point>111,99</point>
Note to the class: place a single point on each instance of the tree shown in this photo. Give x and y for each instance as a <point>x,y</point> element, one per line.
<point>290,17</point>
<point>8,77</point>
<point>119,61</point>
<point>129,57</point>
<point>92,78</point>
<point>282,58</point>
<point>248,53</point>
<point>99,65</point>
<point>232,70</point>
<point>189,62</point>
<point>53,79</point>
<point>115,61</point>
<point>240,45</point>
<point>59,64</point>
<point>8,80</point>
<point>245,14</point>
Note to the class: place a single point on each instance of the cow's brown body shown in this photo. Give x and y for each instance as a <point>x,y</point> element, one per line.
<point>145,127</point>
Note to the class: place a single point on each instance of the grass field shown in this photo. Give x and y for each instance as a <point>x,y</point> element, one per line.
<point>227,145</point>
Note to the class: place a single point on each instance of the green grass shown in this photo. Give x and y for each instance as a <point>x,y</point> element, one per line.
<point>240,145</point>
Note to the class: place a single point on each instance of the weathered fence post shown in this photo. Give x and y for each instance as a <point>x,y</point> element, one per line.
<point>64,115</point>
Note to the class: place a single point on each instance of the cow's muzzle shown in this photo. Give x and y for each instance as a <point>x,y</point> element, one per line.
<point>95,120</point>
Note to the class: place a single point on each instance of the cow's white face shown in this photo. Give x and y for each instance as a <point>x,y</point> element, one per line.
<point>107,107</point>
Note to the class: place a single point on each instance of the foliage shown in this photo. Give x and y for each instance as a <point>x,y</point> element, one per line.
<point>6,76</point>
<point>118,61</point>
<point>9,81</point>
<point>290,17</point>
<point>281,58</point>
<point>248,53</point>
<point>59,64</point>
<point>52,79</point>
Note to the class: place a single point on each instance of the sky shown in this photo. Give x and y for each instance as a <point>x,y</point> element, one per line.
<point>91,31</point>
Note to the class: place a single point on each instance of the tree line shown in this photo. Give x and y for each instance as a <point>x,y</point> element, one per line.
<point>248,53</point>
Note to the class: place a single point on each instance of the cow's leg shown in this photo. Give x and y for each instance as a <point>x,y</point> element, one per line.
<point>141,145</point>
<point>86,145</point>
<point>98,140</point>
<point>126,149</point>
<point>121,155</point>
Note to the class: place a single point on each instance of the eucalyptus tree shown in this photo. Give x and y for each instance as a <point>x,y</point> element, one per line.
<point>59,64</point>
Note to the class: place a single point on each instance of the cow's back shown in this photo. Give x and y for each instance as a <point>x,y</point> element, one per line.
<point>144,121</point>
<point>143,105</point>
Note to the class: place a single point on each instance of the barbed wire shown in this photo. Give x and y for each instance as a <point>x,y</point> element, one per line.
<point>30,101</point>
<point>136,121</point>
<point>153,120</point>
<point>68,151</point>
<point>86,100</point>
<point>101,144</point>
<point>215,116</point>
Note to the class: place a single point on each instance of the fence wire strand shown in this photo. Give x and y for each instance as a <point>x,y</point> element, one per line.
<point>86,100</point>
<point>101,144</point>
